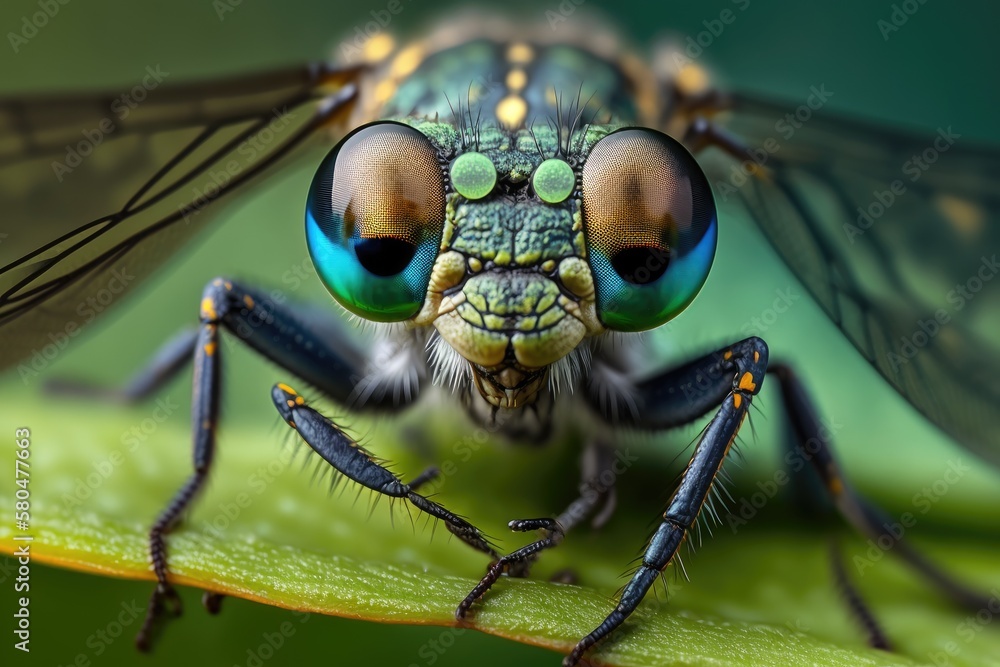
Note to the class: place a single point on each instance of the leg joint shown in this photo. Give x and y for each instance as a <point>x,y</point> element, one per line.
<point>215,300</point>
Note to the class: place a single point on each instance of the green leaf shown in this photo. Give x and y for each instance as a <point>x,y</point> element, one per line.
<point>761,592</point>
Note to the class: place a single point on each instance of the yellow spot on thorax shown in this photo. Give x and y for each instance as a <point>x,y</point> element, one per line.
<point>248,301</point>
<point>520,53</point>
<point>288,390</point>
<point>511,111</point>
<point>747,383</point>
<point>377,48</point>
<point>384,90</point>
<point>737,401</point>
<point>406,61</point>
<point>516,80</point>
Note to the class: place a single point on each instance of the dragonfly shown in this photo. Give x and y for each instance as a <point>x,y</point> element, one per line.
<point>505,207</point>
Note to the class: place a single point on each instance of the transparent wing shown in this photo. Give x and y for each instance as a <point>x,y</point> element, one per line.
<point>96,191</point>
<point>896,235</point>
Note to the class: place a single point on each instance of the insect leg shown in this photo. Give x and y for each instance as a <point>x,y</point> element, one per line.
<point>353,461</point>
<point>740,372</point>
<point>593,493</point>
<point>169,360</point>
<point>815,447</point>
<point>703,133</point>
<point>277,332</point>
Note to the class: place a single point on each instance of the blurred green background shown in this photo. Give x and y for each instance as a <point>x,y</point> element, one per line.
<point>934,71</point>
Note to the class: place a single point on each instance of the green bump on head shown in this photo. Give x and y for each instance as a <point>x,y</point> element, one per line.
<point>553,181</point>
<point>473,175</point>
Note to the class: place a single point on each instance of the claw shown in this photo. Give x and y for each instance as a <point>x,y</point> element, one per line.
<point>163,596</point>
<point>212,602</point>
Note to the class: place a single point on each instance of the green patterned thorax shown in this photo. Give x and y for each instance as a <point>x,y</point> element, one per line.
<point>479,73</point>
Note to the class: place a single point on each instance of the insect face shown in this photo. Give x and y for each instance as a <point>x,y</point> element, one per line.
<point>513,248</point>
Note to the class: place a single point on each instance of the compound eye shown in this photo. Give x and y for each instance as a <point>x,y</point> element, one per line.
<point>650,224</point>
<point>374,219</point>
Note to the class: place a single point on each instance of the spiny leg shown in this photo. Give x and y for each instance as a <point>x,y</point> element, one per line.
<point>351,460</point>
<point>278,333</point>
<point>597,488</point>
<point>729,379</point>
<point>814,442</point>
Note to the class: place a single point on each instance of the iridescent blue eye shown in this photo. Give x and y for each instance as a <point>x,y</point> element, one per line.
<point>651,228</point>
<point>374,220</point>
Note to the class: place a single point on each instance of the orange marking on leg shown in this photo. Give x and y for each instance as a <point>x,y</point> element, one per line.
<point>747,383</point>
<point>209,348</point>
<point>208,309</point>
